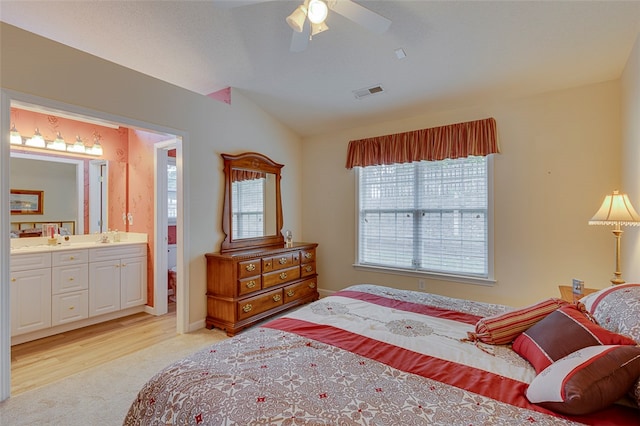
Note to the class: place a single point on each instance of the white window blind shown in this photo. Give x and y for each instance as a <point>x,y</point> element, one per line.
<point>248,208</point>
<point>428,216</point>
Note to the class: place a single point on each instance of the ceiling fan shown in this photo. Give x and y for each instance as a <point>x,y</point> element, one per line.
<point>308,19</point>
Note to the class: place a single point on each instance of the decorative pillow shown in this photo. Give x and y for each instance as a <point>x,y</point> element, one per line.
<point>560,333</point>
<point>587,380</point>
<point>634,393</point>
<point>503,328</point>
<point>617,308</point>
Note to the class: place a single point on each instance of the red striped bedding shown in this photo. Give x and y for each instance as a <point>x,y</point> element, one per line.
<point>368,355</point>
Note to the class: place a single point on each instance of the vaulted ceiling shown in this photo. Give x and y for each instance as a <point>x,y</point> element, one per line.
<point>458,53</point>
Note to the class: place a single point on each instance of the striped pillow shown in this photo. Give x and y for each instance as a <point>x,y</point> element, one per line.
<point>503,328</point>
<point>561,333</point>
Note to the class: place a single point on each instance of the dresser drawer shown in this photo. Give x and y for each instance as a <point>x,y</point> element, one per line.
<point>280,277</point>
<point>308,256</point>
<point>308,269</point>
<point>69,257</point>
<point>249,285</point>
<point>285,260</point>
<point>300,290</point>
<point>258,304</point>
<point>69,307</point>
<point>249,268</point>
<point>69,278</point>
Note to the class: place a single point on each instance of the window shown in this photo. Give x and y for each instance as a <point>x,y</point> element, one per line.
<point>428,216</point>
<point>172,191</point>
<point>248,208</point>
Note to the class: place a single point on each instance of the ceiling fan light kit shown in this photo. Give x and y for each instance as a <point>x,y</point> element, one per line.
<point>316,11</point>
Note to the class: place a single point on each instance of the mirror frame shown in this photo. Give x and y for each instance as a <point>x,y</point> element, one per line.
<point>255,162</point>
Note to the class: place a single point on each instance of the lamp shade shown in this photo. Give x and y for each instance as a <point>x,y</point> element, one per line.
<point>616,209</point>
<point>297,17</point>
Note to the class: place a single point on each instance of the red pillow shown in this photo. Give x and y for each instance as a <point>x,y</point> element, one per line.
<point>562,332</point>
<point>587,380</point>
<point>503,328</point>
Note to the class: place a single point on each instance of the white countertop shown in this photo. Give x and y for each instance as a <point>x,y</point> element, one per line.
<point>40,244</point>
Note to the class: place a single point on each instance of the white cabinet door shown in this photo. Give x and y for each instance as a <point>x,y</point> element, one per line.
<point>104,287</point>
<point>30,300</point>
<point>133,282</point>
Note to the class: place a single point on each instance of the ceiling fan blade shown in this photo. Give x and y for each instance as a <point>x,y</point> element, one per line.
<point>300,40</point>
<point>230,4</point>
<point>360,15</point>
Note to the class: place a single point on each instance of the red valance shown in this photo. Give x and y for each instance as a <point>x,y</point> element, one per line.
<point>472,138</point>
<point>238,175</point>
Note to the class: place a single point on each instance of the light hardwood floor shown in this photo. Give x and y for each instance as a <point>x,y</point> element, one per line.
<point>43,361</point>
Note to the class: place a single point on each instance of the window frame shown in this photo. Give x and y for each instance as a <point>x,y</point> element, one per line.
<point>467,279</point>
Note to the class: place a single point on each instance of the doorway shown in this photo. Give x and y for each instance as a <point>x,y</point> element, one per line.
<point>10,99</point>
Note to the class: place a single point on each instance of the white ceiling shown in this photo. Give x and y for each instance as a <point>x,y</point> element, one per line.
<point>458,53</point>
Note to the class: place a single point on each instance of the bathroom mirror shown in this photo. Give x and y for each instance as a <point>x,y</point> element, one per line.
<point>252,208</point>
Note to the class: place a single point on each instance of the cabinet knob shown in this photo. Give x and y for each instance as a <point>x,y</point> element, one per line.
<point>250,267</point>
<point>71,308</point>
<point>251,284</point>
<point>71,258</point>
<point>312,285</point>
<point>283,276</point>
<point>247,308</point>
<point>124,264</point>
<point>71,279</point>
<point>290,293</point>
<point>13,280</point>
<point>282,260</point>
<point>276,298</point>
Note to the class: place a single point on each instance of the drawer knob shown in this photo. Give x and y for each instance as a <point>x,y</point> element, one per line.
<point>247,308</point>
<point>308,255</point>
<point>71,279</point>
<point>71,308</point>
<point>267,264</point>
<point>250,267</point>
<point>290,293</point>
<point>308,268</point>
<point>312,285</point>
<point>283,275</point>
<point>251,284</point>
<point>13,280</point>
<point>71,258</point>
<point>276,298</point>
<point>282,260</point>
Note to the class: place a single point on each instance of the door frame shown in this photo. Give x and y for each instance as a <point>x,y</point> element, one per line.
<point>8,96</point>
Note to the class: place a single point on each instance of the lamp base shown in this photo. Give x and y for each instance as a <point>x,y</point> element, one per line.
<point>617,280</point>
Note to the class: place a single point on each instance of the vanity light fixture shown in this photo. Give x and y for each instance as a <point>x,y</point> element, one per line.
<point>37,141</point>
<point>317,12</point>
<point>58,144</point>
<point>96,149</point>
<point>15,137</point>
<point>77,147</point>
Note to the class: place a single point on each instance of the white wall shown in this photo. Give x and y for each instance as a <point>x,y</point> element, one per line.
<point>631,159</point>
<point>560,156</point>
<point>35,65</point>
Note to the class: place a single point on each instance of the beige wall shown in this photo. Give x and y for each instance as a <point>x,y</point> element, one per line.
<point>41,67</point>
<point>631,159</point>
<point>560,156</point>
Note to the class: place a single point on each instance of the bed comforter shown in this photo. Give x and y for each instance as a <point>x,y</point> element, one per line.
<point>367,355</point>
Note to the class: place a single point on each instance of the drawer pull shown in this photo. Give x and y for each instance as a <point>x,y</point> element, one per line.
<point>295,257</point>
<point>283,276</point>
<point>247,308</point>
<point>250,267</point>
<point>71,279</point>
<point>308,268</point>
<point>71,308</point>
<point>282,260</point>
<point>13,280</point>
<point>312,285</point>
<point>251,284</point>
<point>290,293</point>
<point>308,255</point>
<point>71,258</point>
<point>267,264</point>
<point>276,298</point>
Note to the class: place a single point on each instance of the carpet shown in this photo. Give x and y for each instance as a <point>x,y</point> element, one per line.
<point>103,394</point>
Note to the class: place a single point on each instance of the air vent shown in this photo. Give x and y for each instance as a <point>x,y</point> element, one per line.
<point>363,93</point>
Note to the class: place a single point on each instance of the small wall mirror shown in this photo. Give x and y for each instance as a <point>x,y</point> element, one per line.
<point>252,210</point>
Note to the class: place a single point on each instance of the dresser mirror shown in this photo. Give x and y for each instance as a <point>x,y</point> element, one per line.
<point>252,208</point>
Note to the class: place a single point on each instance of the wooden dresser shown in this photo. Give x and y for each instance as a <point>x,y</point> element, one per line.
<point>247,286</point>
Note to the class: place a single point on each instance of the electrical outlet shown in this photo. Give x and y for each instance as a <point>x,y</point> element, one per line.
<point>421,285</point>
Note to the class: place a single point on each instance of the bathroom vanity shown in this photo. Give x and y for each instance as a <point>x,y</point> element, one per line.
<point>56,288</point>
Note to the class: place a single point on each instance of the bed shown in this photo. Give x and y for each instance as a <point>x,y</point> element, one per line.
<point>371,355</point>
